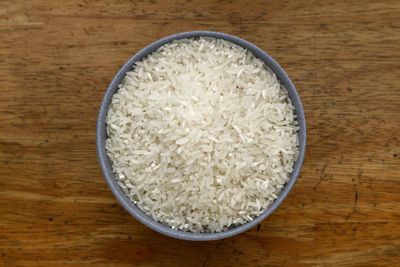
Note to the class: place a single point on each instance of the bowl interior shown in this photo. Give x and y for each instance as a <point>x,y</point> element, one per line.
<point>105,163</point>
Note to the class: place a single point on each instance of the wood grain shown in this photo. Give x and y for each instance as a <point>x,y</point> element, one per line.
<point>56,60</point>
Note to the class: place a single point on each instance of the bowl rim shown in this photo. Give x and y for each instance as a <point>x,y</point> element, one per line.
<point>106,164</point>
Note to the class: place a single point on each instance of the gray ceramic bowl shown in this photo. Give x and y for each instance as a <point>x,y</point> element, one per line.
<point>105,163</point>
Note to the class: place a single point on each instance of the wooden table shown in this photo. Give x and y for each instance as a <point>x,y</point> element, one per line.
<point>56,60</point>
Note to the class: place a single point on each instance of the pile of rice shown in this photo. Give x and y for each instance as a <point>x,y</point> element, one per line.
<point>201,135</point>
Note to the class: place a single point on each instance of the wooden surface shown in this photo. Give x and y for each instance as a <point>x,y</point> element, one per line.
<point>56,60</point>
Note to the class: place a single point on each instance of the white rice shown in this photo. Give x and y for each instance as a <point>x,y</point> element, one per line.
<point>202,136</point>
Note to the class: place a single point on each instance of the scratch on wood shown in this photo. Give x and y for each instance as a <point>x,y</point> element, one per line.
<point>354,206</point>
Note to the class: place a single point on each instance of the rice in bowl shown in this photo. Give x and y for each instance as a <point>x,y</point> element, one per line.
<point>201,135</point>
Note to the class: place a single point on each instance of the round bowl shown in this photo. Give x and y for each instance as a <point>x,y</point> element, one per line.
<point>105,163</point>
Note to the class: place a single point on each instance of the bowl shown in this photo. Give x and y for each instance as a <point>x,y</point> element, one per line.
<point>105,163</point>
